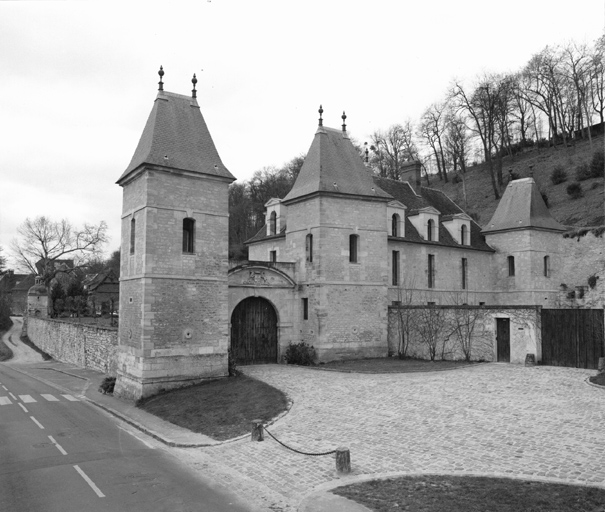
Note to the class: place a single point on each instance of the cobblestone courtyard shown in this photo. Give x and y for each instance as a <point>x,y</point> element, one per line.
<point>491,419</point>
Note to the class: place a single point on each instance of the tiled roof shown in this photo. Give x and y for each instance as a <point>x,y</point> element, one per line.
<point>262,235</point>
<point>403,192</point>
<point>332,165</point>
<point>92,282</point>
<point>176,137</point>
<point>522,207</point>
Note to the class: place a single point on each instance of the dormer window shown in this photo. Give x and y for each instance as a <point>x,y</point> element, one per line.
<point>430,228</point>
<point>395,220</point>
<point>463,235</point>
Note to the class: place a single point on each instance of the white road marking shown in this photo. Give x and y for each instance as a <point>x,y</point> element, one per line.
<point>50,398</point>
<point>4,387</point>
<point>36,422</point>
<point>13,397</point>
<point>137,437</point>
<point>23,407</point>
<point>27,399</point>
<point>4,400</point>
<point>70,398</point>
<point>59,447</point>
<point>90,482</point>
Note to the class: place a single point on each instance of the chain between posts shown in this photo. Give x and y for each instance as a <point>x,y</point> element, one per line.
<point>295,450</point>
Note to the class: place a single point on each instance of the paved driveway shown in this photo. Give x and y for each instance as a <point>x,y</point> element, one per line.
<point>491,419</point>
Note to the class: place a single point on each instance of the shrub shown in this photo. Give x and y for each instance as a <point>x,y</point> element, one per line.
<point>232,364</point>
<point>597,164</point>
<point>592,281</point>
<point>512,175</point>
<point>575,190</point>
<point>544,198</point>
<point>583,172</point>
<point>456,178</point>
<point>301,354</point>
<point>558,175</point>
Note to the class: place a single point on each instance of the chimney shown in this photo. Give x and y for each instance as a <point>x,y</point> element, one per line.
<point>410,172</point>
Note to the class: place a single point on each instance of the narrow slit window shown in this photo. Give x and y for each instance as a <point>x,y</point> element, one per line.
<point>309,248</point>
<point>546,266</point>
<point>395,268</point>
<point>431,271</point>
<point>464,273</point>
<point>463,235</point>
<point>511,266</point>
<point>133,224</point>
<point>305,304</point>
<point>273,223</point>
<point>353,248</point>
<point>188,235</point>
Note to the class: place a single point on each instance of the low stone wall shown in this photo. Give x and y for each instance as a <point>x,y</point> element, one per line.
<point>452,331</point>
<point>84,345</point>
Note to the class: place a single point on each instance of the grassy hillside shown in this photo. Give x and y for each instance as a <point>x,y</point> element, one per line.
<point>585,211</point>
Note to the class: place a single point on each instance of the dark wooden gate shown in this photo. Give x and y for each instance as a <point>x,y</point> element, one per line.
<point>503,339</point>
<point>254,332</point>
<point>572,337</point>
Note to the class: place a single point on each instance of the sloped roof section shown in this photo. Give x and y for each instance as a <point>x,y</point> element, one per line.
<point>522,207</point>
<point>333,166</point>
<point>176,137</point>
<point>428,197</point>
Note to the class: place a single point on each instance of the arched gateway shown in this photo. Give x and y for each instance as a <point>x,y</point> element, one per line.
<point>254,332</point>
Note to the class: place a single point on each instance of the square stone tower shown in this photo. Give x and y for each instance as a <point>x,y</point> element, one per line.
<point>174,255</point>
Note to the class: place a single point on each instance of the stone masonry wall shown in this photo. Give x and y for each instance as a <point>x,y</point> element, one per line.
<point>83,345</point>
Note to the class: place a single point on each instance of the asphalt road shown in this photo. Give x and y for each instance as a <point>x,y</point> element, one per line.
<point>60,454</point>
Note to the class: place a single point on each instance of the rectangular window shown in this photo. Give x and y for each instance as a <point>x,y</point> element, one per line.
<point>395,265</point>
<point>309,248</point>
<point>353,246</point>
<point>305,303</point>
<point>431,271</point>
<point>464,273</point>
<point>546,266</point>
<point>511,266</point>
<point>273,256</point>
<point>132,234</point>
<point>188,235</point>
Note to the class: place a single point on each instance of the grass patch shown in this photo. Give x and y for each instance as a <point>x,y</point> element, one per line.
<point>5,352</point>
<point>393,365</point>
<point>30,344</point>
<point>221,408</point>
<point>437,493</point>
<point>598,379</point>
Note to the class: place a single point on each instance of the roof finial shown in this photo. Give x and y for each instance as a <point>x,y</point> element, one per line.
<point>194,81</point>
<point>321,111</point>
<point>160,83</point>
<point>344,118</point>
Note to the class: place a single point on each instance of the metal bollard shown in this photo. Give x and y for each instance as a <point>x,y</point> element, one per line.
<point>258,433</point>
<point>343,460</point>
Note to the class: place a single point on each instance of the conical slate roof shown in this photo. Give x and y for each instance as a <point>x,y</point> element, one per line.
<point>522,207</point>
<point>176,137</point>
<point>333,166</point>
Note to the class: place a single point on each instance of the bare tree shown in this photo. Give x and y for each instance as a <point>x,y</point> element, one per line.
<point>43,242</point>
<point>406,317</point>
<point>391,148</point>
<point>432,128</point>
<point>597,78</point>
<point>456,145</point>
<point>431,327</point>
<point>465,324</point>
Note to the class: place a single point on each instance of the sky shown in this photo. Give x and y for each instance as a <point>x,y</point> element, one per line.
<point>78,80</point>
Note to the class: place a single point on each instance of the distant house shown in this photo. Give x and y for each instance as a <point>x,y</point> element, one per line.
<point>17,286</point>
<point>101,289</point>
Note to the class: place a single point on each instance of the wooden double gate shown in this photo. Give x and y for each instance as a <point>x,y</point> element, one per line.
<point>254,332</point>
<point>572,337</point>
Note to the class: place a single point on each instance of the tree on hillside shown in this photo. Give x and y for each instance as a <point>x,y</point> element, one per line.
<point>2,261</point>
<point>392,148</point>
<point>597,78</point>
<point>432,128</point>
<point>44,243</point>
<point>457,146</point>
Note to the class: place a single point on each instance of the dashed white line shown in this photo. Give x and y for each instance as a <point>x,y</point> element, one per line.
<point>27,399</point>
<point>50,398</point>
<point>59,447</point>
<point>4,400</point>
<point>70,398</point>
<point>36,422</point>
<point>13,397</point>
<point>23,407</point>
<point>89,482</point>
<point>4,387</point>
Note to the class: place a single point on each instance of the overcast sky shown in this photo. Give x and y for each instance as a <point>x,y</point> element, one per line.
<point>78,80</point>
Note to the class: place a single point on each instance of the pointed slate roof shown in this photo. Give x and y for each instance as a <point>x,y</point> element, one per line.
<point>333,166</point>
<point>522,207</point>
<point>176,137</point>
